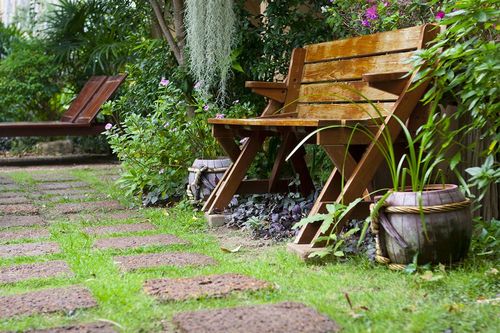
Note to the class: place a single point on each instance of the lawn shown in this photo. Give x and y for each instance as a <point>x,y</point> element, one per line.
<point>382,300</point>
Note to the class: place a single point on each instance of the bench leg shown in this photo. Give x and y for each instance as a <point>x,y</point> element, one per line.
<point>227,187</point>
<point>298,162</point>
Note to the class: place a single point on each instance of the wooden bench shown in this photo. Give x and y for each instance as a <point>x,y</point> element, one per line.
<point>78,119</point>
<point>323,88</point>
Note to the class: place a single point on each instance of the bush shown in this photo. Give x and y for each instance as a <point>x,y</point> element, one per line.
<point>29,83</point>
<point>157,149</point>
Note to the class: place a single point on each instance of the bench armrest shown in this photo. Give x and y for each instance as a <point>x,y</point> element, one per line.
<point>275,91</point>
<point>381,77</point>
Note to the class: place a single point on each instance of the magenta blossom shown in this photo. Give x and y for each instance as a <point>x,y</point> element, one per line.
<point>164,82</point>
<point>108,126</point>
<point>440,15</point>
<point>206,107</point>
<point>220,116</point>
<point>365,22</point>
<point>371,13</point>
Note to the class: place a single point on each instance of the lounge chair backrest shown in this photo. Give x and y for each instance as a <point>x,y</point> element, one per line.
<point>91,109</point>
<point>329,75</point>
<point>88,91</point>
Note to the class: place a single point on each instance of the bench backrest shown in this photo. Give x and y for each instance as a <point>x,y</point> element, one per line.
<point>326,78</point>
<point>88,102</point>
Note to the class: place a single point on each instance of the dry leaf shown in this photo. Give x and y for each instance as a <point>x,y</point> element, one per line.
<point>236,249</point>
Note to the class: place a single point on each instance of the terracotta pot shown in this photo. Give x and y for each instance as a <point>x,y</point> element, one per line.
<point>437,237</point>
<point>204,175</point>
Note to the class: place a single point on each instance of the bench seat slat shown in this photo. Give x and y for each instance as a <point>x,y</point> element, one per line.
<point>353,111</point>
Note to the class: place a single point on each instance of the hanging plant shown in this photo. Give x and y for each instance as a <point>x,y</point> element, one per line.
<point>210,27</point>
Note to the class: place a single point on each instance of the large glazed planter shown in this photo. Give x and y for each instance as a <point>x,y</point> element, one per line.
<point>439,229</point>
<point>204,175</point>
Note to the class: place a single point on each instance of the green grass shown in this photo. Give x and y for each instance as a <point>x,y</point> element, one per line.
<point>383,300</point>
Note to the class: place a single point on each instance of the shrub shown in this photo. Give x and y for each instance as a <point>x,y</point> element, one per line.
<point>156,149</point>
<point>29,83</point>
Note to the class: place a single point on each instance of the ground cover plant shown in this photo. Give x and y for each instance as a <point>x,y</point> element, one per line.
<point>359,295</point>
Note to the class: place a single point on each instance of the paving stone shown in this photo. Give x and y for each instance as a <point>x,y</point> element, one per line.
<point>137,241</point>
<point>83,328</point>
<point>118,228</point>
<point>28,249</point>
<point>9,187</point>
<point>6,181</point>
<point>69,197</point>
<point>70,208</point>
<point>46,301</point>
<point>53,178</point>
<point>19,209</point>
<point>96,218</point>
<point>10,194</point>
<point>79,191</point>
<point>7,221</point>
<point>178,259</point>
<point>14,200</point>
<point>62,185</point>
<point>268,318</point>
<point>24,233</point>
<point>202,286</point>
<point>39,270</point>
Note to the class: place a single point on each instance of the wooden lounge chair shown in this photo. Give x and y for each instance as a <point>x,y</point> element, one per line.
<point>320,90</point>
<point>78,119</point>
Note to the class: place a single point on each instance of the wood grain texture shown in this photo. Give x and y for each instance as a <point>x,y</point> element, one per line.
<point>391,41</point>
<point>350,111</point>
<point>353,69</point>
<point>81,100</point>
<point>342,92</point>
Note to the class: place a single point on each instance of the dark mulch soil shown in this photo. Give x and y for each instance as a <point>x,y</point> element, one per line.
<point>137,241</point>
<point>34,271</point>
<point>10,194</point>
<point>110,229</point>
<point>28,249</point>
<point>19,209</point>
<point>20,221</point>
<point>53,178</point>
<point>14,200</point>
<point>202,286</point>
<point>24,233</point>
<point>83,328</point>
<point>62,186</point>
<point>272,318</point>
<point>72,208</point>
<point>46,301</point>
<point>178,259</point>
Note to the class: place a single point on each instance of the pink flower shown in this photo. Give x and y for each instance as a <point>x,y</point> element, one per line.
<point>108,126</point>
<point>440,15</point>
<point>197,85</point>
<point>161,171</point>
<point>206,107</point>
<point>371,13</point>
<point>219,116</point>
<point>365,22</point>
<point>164,82</point>
<point>236,101</point>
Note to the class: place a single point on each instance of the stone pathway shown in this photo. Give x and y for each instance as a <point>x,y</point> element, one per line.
<point>28,219</point>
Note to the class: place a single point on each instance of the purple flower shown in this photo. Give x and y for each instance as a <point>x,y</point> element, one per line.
<point>161,171</point>
<point>206,107</point>
<point>371,13</point>
<point>440,15</point>
<point>108,126</point>
<point>365,22</point>
<point>197,85</point>
<point>219,116</point>
<point>166,124</point>
<point>236,101</point>
<point>164,82</point>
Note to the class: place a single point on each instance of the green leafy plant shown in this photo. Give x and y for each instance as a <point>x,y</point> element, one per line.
<point>156,149</point>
